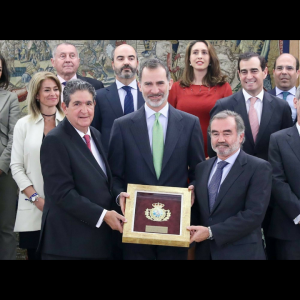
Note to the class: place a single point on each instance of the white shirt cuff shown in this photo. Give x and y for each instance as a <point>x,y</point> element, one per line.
<point>117,200</point>
<point>101,218</point>
<point>297,219</point>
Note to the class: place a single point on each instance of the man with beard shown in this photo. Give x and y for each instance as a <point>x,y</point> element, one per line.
<point>120,98</point>
<point>66,61</point>
<point>156,145</point>
<point>285,73</point>
<point>232,194</point>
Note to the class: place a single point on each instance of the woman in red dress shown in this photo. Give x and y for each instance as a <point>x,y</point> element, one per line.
<point>201,85</point>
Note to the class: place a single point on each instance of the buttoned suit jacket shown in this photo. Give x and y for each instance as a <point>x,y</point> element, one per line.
<point>276,115</point>
<point>130,154</point>
<point>273,92</point>
<point>97,84</point>
<point>76,192</point>
<point>108,108</point>
<point>284,156</point>
<point>239,209</point>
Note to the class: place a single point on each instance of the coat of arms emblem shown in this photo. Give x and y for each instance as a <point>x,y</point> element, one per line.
<point>157,213</point>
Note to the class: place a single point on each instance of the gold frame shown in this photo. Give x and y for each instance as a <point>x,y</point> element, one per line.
<point>130,236</point>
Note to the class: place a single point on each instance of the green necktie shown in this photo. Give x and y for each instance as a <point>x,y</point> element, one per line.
<point>284,95</point>
<point>157,145</point>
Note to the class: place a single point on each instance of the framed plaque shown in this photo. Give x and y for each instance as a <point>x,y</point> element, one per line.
<point>157,215</point>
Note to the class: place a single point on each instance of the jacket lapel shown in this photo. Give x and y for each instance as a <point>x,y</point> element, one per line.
<point>113,99</point>
<point>293,140</point>
<point>267,111</point>
<point>240,108</point>
<point>140,133</point>
<point>236,170</point>
<point>140,99</point>
<point>174,130</point>
<point>4,98</point>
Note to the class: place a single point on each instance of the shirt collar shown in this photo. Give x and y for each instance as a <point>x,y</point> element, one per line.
<point>133,84</point>
<point>231,159</point>
<point>291,91</point>
<point>298,127</point>
<point>260,96</point>
<point>150,112</point>
<point>63,80</point>
<point>81,133</point>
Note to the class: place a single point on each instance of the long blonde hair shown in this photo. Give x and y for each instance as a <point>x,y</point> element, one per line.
<point>34,86</point>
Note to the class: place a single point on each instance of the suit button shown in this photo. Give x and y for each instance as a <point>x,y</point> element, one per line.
<point>210,219</point>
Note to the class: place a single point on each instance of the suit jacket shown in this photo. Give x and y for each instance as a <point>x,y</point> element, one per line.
<point>238,212</point>
<point>108,108</point>
<point>284,156</point>
<point>9,115</point>
<point>130,154</point>
<point>76,192</point>
<point>97,84</point>
<point>26,169</point>
<point>273,92</point>
<point>276,115</point>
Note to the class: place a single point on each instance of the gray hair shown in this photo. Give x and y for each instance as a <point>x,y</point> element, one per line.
<point>75,85</point>
<point>224,114</point>
<point>298,93</point>
<point>113,52</point>
<point>66,44</point>
<point>154,63</point>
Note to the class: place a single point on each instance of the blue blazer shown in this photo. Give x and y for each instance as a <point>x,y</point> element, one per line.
<point>108,108</point>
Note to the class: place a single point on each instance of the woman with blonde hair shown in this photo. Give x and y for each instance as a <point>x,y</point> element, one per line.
<point>201,84</point>
<point>44,113</point>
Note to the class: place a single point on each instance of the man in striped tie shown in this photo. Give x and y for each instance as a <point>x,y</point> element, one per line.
<point>156,145</point>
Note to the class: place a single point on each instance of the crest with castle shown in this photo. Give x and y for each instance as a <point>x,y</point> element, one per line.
<point>157,213</point>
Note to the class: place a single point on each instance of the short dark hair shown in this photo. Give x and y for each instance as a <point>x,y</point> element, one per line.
<point>154,63</point>
<point>297,60</point>
<point>248,55</point>
<point>5,77</point>
<point>75,85</point>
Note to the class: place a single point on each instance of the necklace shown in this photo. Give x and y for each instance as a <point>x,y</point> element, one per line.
<point>48,115</point>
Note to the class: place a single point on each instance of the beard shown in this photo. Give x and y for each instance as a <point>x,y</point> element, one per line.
<point>228,150</point>
<point>125,75</point>
<point>156,103</point>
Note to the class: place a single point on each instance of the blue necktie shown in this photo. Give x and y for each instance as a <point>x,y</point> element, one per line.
<point>285,94</point>
<point>128,103</point>
<point>64,83</point>
<point>215,183</point>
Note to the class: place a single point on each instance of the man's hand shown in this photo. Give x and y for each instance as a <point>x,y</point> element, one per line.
<point>191,188</point>
<point>114,220</point>
<point>198,233</point>
<point>122,201</point>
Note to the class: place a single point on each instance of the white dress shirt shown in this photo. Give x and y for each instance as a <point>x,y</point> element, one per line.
<point>62,86</point>
<point>231,160</point>
<point>163,119</point>
<point>258,106</point>
<point>122,93</point>
<point>289,99</point>
<point>100,162</point>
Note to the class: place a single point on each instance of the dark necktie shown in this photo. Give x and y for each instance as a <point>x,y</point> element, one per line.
<point>215,183</point>
<point>64,83</point>
<point>284,95</point>
<point>87,140</point>
<point>128,103</point>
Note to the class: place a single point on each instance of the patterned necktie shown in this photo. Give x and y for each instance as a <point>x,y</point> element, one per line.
<point>64,83</point>
<point>128,103</point>
<point>157,145</point>
<point>253,118</point>
<point>214,184</point>
<point>87,140</point>
<point>285,94</point>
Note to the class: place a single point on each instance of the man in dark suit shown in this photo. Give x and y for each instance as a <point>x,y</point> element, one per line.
<point>156,145</point>
<point>262,113</point>
<point>77,221</point>
<point>120,98</point>
<point>284,156</point>
<point>232,195</point>
<point>285,73</point>
<point>65,60</point>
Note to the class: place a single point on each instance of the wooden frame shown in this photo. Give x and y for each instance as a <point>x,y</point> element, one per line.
<point>160,237</point>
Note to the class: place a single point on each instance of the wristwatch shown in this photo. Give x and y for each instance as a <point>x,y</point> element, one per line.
<point>33,198</point>
<point>210,234</point>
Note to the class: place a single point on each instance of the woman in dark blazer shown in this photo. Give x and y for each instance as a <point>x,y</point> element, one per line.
<point>9,115</point>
